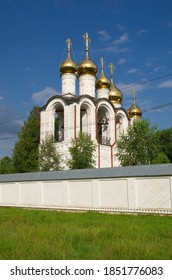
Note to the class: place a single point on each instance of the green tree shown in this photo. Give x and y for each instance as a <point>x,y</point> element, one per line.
<point>161,158</point>
<point>49,158</point>
<point>6,165</point>
<point>140,145</point>
<point>81,151</point>
<point>25,153</point>
<point>165,137</point>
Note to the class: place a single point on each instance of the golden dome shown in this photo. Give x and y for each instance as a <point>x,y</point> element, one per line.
<point>115,95</point>
<point>68,66</point>
<point>102,81</point>
<point>134,111</point>
<point>87,66</point>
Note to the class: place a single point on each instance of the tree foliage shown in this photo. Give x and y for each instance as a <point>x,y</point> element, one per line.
<point>49,158</point>
<point>161,158</point>
<point>165,137</point>
<point>81,151</point>
<point>6,165</point>
<point>25,153</point>
<point>140,145</point>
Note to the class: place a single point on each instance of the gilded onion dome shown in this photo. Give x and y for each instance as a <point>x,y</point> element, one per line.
<point>134,111</point>
<point>87,66</point>
<point>68,66</point>
<point>102,81</point>
<point>115,95</point>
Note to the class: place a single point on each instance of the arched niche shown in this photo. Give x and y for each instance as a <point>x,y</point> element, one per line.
<point>121,124</point>
<point>87,116</point>
<point>59,122</point>
<point>104,125</point>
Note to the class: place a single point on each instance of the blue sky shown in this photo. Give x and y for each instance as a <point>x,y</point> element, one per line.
<point>135,35</point>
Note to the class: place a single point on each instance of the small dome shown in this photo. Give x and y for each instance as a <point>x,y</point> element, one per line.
<point>134,111</point>
<point>68,66</point>
<point>87,67</point>
<point>102,82</point>
<point>115,95</point>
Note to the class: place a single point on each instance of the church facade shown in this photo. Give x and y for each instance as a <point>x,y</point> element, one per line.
<point>95,110</point>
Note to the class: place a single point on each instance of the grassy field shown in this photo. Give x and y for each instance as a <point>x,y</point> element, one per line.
<point>34,234</point>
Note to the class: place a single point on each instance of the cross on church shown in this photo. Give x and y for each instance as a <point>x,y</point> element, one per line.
<point>102,63</point>
<point>134,95</point>
<point>68,41</point>
<point>111,67</point>
<point>87,41</point>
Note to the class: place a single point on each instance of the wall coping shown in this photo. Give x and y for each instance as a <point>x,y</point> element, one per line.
<point>101,173</point>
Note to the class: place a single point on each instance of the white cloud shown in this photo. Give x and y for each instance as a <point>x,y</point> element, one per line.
<point>148,64</point>
<point>121,61</point>
<point>141,32</point>
<point>166,84</point>
<point>11,121</point>
<point>132,71</point>
<point>122,39</point>
<point>28,69</point>
<point>170,24</point>
<point>153,60</point>
<point>41,97</point>
<point>127,89</point>
<point>104,35</point>
<point>115,49</point>
<point>159,68</point>
<point>120,26</point>
<point>1,98</point>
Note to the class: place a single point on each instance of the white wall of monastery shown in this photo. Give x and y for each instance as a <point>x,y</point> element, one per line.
<point>98,191</point>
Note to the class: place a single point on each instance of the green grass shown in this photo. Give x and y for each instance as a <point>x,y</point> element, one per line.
<point>35,234</point>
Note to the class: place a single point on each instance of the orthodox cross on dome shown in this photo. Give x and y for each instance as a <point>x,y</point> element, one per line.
<point>68,41</point>
<point>102,63</point>
<point>111,67</point>
<point>87,41</point>
<point>134,95</point>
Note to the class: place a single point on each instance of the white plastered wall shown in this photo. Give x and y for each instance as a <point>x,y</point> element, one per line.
<point>87,85</point>
<point>68,84</point>
<point>108,194</point>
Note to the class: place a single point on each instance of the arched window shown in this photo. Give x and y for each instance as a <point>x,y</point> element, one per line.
<point>59,124</point>
<point>121,124</point>
<point>85,119</point>
<point>103,128</point>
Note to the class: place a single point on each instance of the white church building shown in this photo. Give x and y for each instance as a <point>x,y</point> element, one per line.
<point>96,109</point>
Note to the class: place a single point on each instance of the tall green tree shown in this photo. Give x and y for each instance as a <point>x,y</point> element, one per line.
<point>6,165</point>
<point>165,137</point>
<point>140,145</point>
<point>81,152</point>
<point>49,158</point>
<point>25,153</point>
<point>161,158</point>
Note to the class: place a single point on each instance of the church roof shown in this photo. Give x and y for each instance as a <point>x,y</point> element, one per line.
<point>76,98</point>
